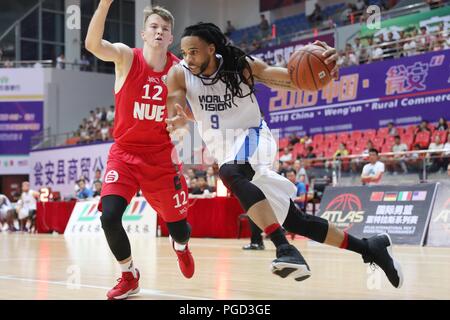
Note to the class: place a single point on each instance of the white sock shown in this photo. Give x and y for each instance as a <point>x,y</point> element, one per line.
<point>179,247</point>
<point>129,267</point>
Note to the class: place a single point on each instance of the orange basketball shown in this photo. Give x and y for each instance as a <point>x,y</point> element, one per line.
<point>308,70</point>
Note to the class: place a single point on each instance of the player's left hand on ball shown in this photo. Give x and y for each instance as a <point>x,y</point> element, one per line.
<point>331,56</point>
<point>179,120</point>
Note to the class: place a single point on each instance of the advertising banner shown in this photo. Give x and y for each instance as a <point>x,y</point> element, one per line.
<point>364,211</point>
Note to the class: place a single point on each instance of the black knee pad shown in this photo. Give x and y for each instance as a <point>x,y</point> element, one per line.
<point>180,231</point>
<point>113,208</point>
<point>236,177</point>
<point>304,224</point>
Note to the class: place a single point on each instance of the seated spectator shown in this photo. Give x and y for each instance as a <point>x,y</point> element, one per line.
<point>193,185</point>
<point>424,40</point>
<point>6,214</point>
<point>341,151</point>
<point>375,51</point>
<point>284,167</point>
<point>350,58</point>
<point>423,126</point>
<point>390,46</point>
<point>306,140</point>
<point>373,171</point>
<point>83,191</point>
<point>97,176</point>
<point>300,197</point>
<point>229,29</point>
<point>110,114</point>
<point>309,153</point>
<point>293,139</point>
<point>410,44</point>
<point>301,171</point>
<point>26,207</point>
<point>202,187</point>
<point>97,190</point>
<point>442,124</point>
<point>280,61</point>
<point>211,178</point>
<point>357,47</point>
<point>287,156</point>
<point>398,161</point>
<point>356,163</point>
<point>392,130</point>
<point>104,132</point>
<point>437,158</point>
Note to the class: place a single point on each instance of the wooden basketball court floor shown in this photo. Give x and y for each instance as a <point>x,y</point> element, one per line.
<point>55,267</point>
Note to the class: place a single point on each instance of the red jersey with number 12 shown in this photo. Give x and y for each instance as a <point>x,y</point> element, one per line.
<point>141,106</point>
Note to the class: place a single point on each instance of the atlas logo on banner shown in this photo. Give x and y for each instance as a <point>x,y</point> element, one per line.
<point>444,215</point>
<point>344,211</point>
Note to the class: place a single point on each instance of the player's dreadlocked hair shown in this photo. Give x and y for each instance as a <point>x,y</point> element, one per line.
<point>234,59</point>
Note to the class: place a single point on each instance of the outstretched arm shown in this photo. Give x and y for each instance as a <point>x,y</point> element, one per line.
<point>103,49</point>
<point>278,78</point>
<point>177,111</point>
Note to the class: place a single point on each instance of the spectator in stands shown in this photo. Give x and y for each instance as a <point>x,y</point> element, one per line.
<point>316,15</point>
<point>264,27</point>
<point>287,155</point>
<point>110,115</point>
<point>309,153</point>
<point>424,40</point>
<point>84,63</point>
<point>211,178</point>
<point>83,191</point>
<point>392,130</point>
<point>414,161</point>
<point>373,171</point>
<point>229,29</point>
<point>61,61</point>
<point>26,207</point>
<point>193,185</point>
<point>398,160</point>
<point>280,61</point>
<point>350,57</point>
<point>255,46</point>
<point>357,47</point>
<point>356,163</point>
<point>283,167</point>
<point>306,140</point>
<point>104,131</point>
<point>410,45</point>
<point>437,158</point>
<point>293,139</point>
<point>442,124</point>
<point>202,187</point>
<point>375,53</point>
<point>341,151</point>
<point>98,176</point>
<point>423,126</point>
<point>391,46</point>
<point>97,191</point>
<point>6,214</point>
<point>300,197</point>
<point>98,115</point>
<point>301,171</point>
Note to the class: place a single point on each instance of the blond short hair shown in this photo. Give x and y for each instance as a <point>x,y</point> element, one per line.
<point>160,11</point>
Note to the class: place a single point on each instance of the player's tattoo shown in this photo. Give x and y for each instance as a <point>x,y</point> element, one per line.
<point>284,84</point>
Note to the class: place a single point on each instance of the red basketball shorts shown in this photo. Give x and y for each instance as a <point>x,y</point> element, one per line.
<point>160,180</point>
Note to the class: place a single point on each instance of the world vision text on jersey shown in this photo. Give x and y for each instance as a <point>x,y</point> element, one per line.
<point>215,102</point>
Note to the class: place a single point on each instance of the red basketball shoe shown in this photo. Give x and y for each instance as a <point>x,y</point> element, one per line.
<point>185,260</point>
<point>127,286</point>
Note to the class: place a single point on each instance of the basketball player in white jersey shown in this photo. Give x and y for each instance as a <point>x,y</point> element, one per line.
<point>217,80</point>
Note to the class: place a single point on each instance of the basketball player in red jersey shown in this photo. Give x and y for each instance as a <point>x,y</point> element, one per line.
<point>141,157</point>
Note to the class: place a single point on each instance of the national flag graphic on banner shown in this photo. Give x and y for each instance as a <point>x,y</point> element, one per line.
<point>390,196</point>
<point>376,196</point>
<point>404,196</point>
<point>419,196</point>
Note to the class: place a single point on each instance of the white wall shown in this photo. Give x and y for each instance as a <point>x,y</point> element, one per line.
<point>70,95</point>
